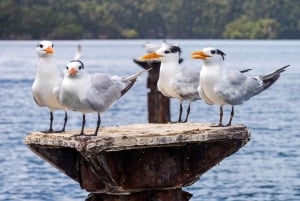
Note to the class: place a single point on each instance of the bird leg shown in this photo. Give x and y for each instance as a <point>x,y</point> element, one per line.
<point>231,116</point>
<point>65,123</point>
<point>221,117</point>
<point>180,114</point>
<point>83,124</point>
<point>187,113</point>
<point>98,125</point>
<point>50,127</point>
<point>82,127</point>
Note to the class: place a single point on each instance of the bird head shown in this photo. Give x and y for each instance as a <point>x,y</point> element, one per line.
<point>165,53</point>
<point>44,48</point>
<point>74,68</point>
<point>209,54</point>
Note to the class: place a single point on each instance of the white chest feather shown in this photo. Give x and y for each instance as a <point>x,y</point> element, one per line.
<point>209,77</point>
<point>73,94</point>
<point>47,78</point>
<point>167,75</point>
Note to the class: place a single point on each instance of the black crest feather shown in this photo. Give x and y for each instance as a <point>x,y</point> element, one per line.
<point>221,53</point>
<point>175,49</point>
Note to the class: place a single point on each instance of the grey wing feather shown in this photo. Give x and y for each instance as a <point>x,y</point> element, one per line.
<point>131,83</point>
<point>130,80</point>
<point>103,92</point>
<point>186,84</point>
<point>269,79</point>
<point>246,70</point>
<point>235,88</point>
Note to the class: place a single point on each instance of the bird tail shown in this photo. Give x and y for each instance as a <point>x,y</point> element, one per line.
<point>269,79</point>
<point>132,79</point>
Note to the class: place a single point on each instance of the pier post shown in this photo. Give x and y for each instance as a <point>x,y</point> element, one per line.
<point>139,162</point>
<point>158,104</point>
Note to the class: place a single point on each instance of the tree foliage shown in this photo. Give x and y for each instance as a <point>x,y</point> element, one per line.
<point>245,28</point>
<point>73,19</point>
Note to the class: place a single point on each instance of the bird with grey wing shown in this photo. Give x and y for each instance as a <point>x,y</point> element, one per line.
<point>47,79</point>
<point>88,93</point>
<point>174,80</point>
<point>228,87</point>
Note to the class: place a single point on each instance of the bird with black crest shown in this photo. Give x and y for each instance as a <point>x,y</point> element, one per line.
<point>175,81</point>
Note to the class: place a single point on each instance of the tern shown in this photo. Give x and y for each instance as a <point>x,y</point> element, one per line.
<point>47,79</point>
<point>221,87</point>
<point>174,80</point>
<point>87,93</point>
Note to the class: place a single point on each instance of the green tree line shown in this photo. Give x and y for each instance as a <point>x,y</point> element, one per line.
<point>93,19</point>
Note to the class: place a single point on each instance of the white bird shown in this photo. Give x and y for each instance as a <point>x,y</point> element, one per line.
<point>221,87</point>
<point>174,80</point>
<point>87,93</point>
<point>47,79</point>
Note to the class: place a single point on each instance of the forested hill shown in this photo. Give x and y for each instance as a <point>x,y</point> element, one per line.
<point>87,19</point>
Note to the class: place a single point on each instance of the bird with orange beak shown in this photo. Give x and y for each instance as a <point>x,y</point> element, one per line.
<point>47,79</point>
<point>228,87</point>
<point>92,93</point>
<point>175,81</point>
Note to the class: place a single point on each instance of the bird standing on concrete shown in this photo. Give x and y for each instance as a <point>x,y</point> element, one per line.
<point>174,80</point>
<point>87,93</point>
<point>221,87</point>
<point>47,79</point>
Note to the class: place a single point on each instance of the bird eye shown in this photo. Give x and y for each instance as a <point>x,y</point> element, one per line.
<point>80,67</point>
<point>41,46</point>
<point>213,51</point>
<point>67,67</point>
<point>167,51</point>
<point>52,45</point>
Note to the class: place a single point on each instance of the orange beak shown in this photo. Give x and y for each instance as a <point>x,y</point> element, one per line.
<point>49,50</point>
<point>151,56</point>
<point>199,55</point>
<point>73,71</point>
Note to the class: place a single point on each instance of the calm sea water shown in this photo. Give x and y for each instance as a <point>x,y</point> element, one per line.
<point>267,168</point>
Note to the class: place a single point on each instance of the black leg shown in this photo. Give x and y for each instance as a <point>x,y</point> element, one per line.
<point>180,113</point>
<point>98,125</point>
<point>50,130</point>
<point>65,123</point>
<point>187,113</point>
<point>83,124</point>
<point>82,127</point>
<point>221,117</point>
<point>51,123</point>
<point>231,116</point>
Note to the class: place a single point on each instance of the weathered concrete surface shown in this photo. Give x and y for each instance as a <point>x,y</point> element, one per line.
<point>139,158</point>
